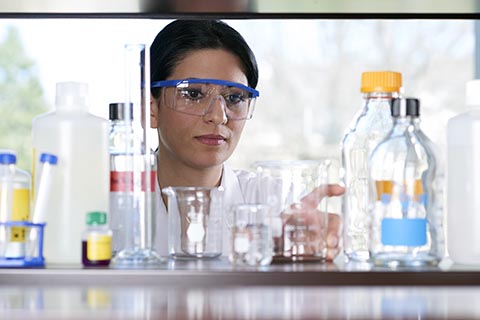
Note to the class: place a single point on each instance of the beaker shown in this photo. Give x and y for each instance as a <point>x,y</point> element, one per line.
<point>251,235</point>
<point>294,191</point>
<point>195,221</point>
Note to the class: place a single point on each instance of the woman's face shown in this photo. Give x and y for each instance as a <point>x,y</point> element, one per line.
<point>200,141</point>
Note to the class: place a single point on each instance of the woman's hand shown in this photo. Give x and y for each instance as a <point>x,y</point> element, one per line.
<point>333,236</point>
<point>334,220</point>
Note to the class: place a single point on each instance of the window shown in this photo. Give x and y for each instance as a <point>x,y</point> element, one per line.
<point>309,72</point>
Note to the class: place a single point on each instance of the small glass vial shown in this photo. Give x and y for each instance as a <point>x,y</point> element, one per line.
<point>96,241</point>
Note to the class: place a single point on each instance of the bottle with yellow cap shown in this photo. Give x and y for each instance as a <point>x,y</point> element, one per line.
<point>369,127</point>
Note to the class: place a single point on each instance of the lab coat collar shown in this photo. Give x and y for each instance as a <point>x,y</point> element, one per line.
<point>232,192</point>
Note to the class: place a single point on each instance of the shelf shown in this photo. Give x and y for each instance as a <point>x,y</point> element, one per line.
<point>214,289</point>
<point>240,8</point>
<point>220,273</point>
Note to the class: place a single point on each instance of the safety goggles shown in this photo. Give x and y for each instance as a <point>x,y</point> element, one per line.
<point>196,96</point>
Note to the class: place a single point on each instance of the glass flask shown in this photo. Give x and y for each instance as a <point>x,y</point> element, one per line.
<point>195,221</point>
<point>369,126</point>
<point>298,226</point>
<point>405,202</point>
<point>251,236</point>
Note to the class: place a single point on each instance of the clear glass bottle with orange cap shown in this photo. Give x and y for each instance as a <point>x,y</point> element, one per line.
<point>367,129</point>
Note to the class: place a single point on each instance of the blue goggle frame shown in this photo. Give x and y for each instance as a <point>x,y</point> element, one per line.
<point>174,83</point>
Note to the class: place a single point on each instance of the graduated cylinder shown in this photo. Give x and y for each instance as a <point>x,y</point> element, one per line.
<point>132,174</point>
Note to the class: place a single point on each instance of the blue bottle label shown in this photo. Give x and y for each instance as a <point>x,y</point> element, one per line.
<point>404,232</point>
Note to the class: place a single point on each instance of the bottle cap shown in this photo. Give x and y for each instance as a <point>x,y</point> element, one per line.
<point>8,157</point>
<point>71,95</point>
<point>117,111</point>
<point>381,81</point>
<point>405,107</point>
<point>48,157</point>
<point>96,218</point>
<point>472,93</point>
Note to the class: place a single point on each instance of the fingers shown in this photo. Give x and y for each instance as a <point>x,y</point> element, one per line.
<point>333,236</point>
<point>329,190</point>
<point>334,223</point>
<point>332,253</point>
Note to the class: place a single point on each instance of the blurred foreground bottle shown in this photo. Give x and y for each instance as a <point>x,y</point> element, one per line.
<point>80,140</point>
<point>369,126</point>
<point>406,194</point>
<point>464,180</point>
<point>14,204</point>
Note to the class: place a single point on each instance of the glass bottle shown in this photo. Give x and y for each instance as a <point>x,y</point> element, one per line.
<point>405,202</point>
<point>119,147</point>
<point>370,125</point>
<point>96,241</point>
<point>15,204</point>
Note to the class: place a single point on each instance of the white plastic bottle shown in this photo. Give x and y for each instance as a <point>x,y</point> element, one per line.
<point>463,180</point>
<point>81,183</point>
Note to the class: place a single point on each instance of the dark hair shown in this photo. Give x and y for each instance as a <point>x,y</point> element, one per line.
<point>180,37</point>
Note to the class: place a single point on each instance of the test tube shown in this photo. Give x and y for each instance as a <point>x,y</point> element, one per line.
<point>42,186</point>
<point>43,183</point>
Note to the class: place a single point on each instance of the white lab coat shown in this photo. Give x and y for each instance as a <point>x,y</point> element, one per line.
<point>239,187</point>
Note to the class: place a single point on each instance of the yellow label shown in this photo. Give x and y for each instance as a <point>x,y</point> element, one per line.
<point>99,247</point>
<point>20,212</point>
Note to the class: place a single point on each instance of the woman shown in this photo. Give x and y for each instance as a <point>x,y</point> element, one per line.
<point>195,139</point>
